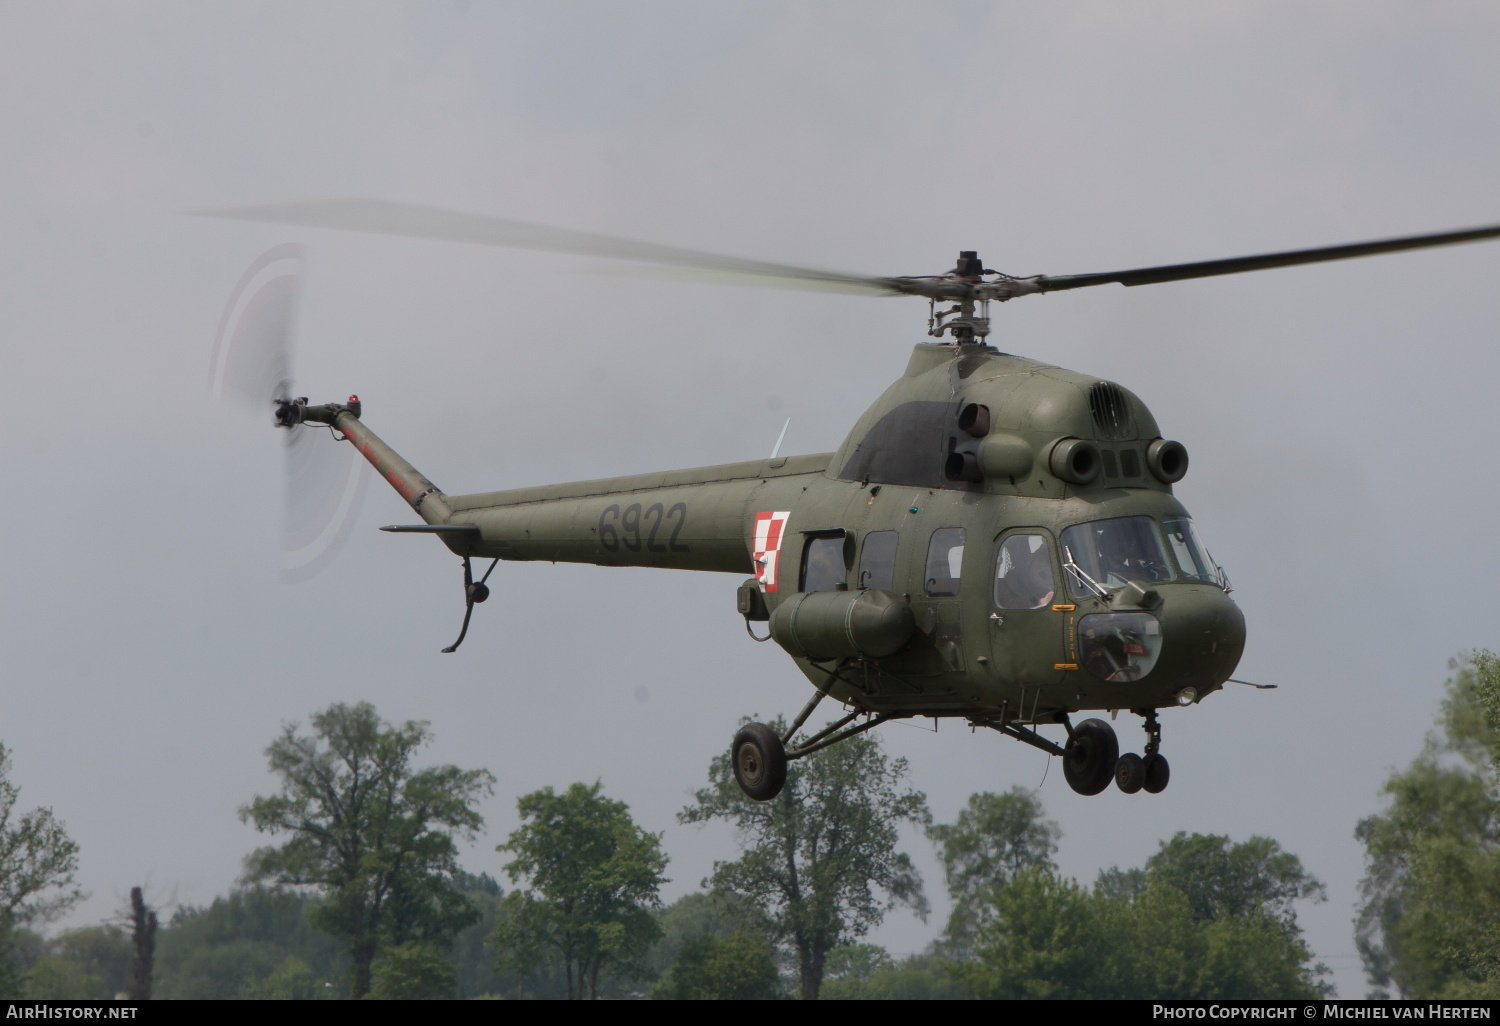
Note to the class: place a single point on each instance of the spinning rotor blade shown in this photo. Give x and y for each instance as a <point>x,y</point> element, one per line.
<point>1236,265</point>
<point>252,366</point>
<point>383,218</point>
<point>380,217</point>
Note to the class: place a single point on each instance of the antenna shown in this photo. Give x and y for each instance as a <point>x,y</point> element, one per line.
<point>780,438</point>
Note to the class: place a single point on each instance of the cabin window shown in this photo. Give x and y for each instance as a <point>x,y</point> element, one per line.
<point>945,558</point>
<point>1103,556</point>
<point>823,564</point>
<point>1192,558</point>
<point>877,561</point>
<point>1023,573</point>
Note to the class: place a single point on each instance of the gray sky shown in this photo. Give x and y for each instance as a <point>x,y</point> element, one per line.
<point>1339,418</point>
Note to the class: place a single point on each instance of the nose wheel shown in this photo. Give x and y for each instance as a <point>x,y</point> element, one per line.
<point>1157,773</point>
<point>1130,773</point>
<point>1149,773</point>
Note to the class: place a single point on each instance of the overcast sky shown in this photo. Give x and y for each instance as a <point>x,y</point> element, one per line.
<point>1341,419</point>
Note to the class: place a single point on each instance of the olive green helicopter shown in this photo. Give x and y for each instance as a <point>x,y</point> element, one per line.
<point>995,541</point>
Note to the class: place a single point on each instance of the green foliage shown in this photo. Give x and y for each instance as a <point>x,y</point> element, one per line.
<point>1222,880</point>
<point>927,977</point>
<point>413,971</point>
<point>37,865</point>
<point>1205,919</point>
<point>1036,935</point>
<point>820,859</point>
<point>232,948</point>
<point>373,834</point>
<point>594,877</point>
<point>994,838</point>
<point>1042,936</point>
<point>856,962</point>
<point>292,980</point>
<point>740,966</point>
<point>470,952</point>
<point>91,963</point>
<point>1430,923</point>
<point>700,914</point>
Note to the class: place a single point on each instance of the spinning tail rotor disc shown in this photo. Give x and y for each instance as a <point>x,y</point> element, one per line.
<point>252,368</point>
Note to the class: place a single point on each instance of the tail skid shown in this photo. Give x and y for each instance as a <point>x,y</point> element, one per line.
<point>420,494</point>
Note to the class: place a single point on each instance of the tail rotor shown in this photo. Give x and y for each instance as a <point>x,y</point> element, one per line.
<point>252,368</point>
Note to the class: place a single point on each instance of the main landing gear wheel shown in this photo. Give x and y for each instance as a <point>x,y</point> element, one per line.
<point>1130,773</point>
<point>759,761</point>
<point>1157,773</point>
<point>1090,757</point>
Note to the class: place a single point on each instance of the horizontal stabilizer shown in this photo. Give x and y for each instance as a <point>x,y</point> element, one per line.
<point>432,528</point>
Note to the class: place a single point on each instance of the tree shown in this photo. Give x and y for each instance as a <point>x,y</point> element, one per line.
<point>700,914</point>
<point>820,859</point>
<point>143,938</point>
<point>37,865</point>
<point>740,966</point>
<point>994,838</point>
<point>413,971</point>
<point>1429,926</point>
<point>373,834</point>
<point>594,877</point>
<point>1035,935</point>
<point>1222,879</point>
<point>471,951</point>
<point>255,943</point>
<point>92,963</point>
<point>292,980</point>
<point>924,977</point>
<point>1206,918</point>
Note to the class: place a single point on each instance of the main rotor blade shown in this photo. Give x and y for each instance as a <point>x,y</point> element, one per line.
<point>1235,265</point>
<point>384,218</point>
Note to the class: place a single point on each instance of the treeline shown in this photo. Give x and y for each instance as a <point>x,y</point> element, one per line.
<point>360,893</point>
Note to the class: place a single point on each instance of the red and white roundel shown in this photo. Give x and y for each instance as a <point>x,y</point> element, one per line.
<point>765,550</point>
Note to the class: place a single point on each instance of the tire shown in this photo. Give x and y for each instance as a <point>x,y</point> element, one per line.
<point>759,761</point>
<point>1157,774</point>
<point>1090,757</point>
<point>1130,773</point>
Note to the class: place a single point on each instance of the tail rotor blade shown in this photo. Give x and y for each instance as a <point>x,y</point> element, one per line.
<point>252,351</point>
<point>325,489</point>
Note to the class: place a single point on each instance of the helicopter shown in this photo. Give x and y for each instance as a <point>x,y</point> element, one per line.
<point>996,540</point>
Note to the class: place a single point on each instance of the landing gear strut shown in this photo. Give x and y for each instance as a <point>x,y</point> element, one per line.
<point>1092,756</point>
<point>1132,772</point>
<point>759,756</point>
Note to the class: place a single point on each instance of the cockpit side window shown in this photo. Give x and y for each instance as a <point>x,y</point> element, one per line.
<point>945,557</point>
<point>1023,573</point>
<point>877,561</point>
<point>1103,556</point>
<point>1187,548</point>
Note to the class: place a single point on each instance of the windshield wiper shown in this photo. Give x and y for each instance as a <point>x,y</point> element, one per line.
<point>1083,578</point>
<point>1219,572</point>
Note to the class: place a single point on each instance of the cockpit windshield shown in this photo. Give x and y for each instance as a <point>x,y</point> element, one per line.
<point>1107,554</point>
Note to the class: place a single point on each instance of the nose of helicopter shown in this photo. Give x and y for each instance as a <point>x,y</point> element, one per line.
<point>1203,636</point>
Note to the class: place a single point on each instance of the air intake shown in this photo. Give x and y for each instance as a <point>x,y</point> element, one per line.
<point>1111,411</point>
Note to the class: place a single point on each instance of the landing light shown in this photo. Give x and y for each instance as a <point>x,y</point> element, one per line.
<point>1187,696</point>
